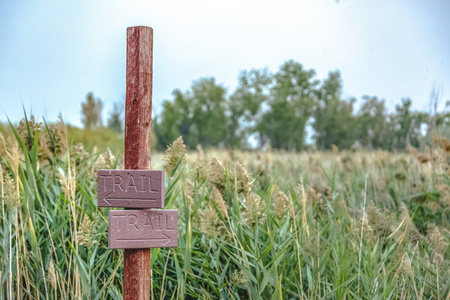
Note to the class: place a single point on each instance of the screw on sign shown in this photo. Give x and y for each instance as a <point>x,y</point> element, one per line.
<point>137,229</point>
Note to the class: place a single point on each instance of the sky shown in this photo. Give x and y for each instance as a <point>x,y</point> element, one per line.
<point>52,53</point>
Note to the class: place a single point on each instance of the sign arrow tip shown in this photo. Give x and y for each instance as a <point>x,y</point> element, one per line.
<point>106,199</point>
<point>168,238</point>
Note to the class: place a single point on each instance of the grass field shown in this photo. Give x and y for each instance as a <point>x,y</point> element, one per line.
<point>252,225</point>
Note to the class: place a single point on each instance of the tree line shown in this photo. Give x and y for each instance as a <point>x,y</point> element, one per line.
<point>289,109</point>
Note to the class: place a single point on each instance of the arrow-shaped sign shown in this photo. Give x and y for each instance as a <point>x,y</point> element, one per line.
<point>131,188</point>
<point>132,229</point>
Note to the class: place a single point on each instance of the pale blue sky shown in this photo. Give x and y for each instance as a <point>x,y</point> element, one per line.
<point>52,53</point>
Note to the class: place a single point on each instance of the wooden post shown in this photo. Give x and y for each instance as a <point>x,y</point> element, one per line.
<point>138,128</point>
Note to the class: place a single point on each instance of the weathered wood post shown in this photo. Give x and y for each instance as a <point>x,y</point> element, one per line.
<point>138,130</point>
<point>137,188</point>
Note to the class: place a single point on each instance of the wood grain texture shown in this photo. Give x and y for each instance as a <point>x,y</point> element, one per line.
<point>132,229</point>
<point>138,102</point>
<point>131,188</point>
<point>138,128</point>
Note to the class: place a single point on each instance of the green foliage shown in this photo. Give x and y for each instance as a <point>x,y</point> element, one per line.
<point>280,109</point>
<point>290,107</point>
<point>373,127</point>
<point>408,125</point>
<point>91,112</point>
<point>98,138</point>
<point>334,123</point>
<point>48,215</point>
<point>116,118</point>
<point>198,115</point>
<point>245,107</point>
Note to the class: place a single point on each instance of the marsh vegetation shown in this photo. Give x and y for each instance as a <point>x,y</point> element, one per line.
<point>252,224</point>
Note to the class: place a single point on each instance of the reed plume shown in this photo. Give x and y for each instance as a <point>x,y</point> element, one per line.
<point>219,202</point>
<point>242,180</point>
<point>57,140</point>
<point>280,203</point>
<point>175,154</point>
<point>27,130</point>
<point>252,212</point>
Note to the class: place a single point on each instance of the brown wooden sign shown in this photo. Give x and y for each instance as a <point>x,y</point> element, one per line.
<point>134,229</point>
<point>131,188</point>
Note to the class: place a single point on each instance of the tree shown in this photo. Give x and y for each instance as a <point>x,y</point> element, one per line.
<point>407,125</point>
<point>174,121</point>
<point>245,107</point>
<point>334,123</point>
<point>290,107</point>
<point>443,121</point>
<point>373,127</point>
<point>91,111</point>
<point>116,119</point>
<point>209,105</point>
<point>274,109</point>
<point>198,115</point>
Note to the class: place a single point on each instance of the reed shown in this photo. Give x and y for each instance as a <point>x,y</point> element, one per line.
<point>252,225</point>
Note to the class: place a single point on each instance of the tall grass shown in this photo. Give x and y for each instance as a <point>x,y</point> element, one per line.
<point>268,225</point>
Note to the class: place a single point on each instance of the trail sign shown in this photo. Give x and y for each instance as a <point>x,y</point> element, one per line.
<point>131,188</point>
<point>137,230</point>
<point>133,229</point>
